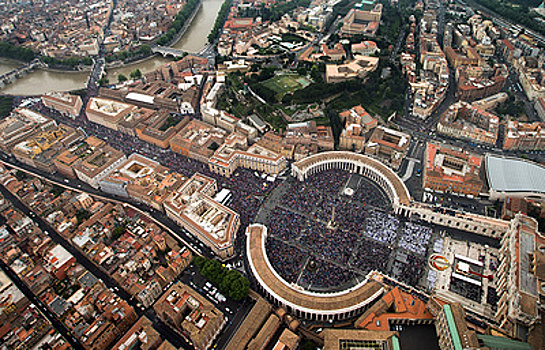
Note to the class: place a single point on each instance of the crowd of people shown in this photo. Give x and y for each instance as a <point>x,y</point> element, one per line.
<point>286,259</point>
<point>325,276</point>
<point>337,246</point>
<point>344,234</point>
<point>301,197</point>
<point>415,237</point>
<point>331,181</point>
<point>360,238</point>
<point>371,256</point>
<point>247,189</point>
<point>382,227</point>
<point>409,271</point>
<point>466,289</point>
<point>368,193</point>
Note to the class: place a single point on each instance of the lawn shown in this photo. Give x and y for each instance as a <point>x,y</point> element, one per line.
<point>283,84</point>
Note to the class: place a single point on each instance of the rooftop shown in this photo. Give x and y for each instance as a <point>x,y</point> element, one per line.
<point>507,174</point>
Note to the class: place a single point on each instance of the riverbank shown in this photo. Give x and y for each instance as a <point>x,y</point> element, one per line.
<point>42,81</point>
<point>196,36</point>
<point>182,31</point>
<point>120,64</point>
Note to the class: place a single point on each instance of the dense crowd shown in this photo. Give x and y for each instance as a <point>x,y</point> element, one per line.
<point>286,259</point>
<point>369,194</point>
<point>492,297</point>
<point>409,271</point>
<point>298,227</point>
<point>247,188</point>
<point>330,181</point>
<point>301,197</point>
<point>326,275</point>
<point>371,256</point>
<point>337,246</point>
<point>415,237</point>
<point>360,239</point>
<point>382,227</point>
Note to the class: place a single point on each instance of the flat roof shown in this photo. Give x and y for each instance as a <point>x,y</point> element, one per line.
<point>506,174</point>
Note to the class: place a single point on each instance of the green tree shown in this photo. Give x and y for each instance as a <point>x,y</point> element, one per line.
<point>103,81</point>
<point>213,270</point>
<point>6,105</point>
<point>229,277</point>
<point>121,78</point>
<point>239,288</point>
<point>199,261</point>
<point>117,232</point>
<point>136,74</point>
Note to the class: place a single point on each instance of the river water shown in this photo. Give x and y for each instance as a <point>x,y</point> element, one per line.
<point>41,81</point>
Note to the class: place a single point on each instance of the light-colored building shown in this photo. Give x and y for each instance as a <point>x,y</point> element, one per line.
<point>463,120</point>
<point>235,153</point>
<point>361,21</point>
<point>193,207</point>
<point>514,177</point>
<point>191,315</point>
<point>142,336</point>
<point>107,112</point>
<point>524,136</point>
<point>365,48</point>
<point>142,179</point>
<point>359,67</point>
<point>66,161</point>
<point>198,140</point>
<point>20,125</point>
<point>520,276</point>
<point>40,150</point>
<point>491,102</point>
<point>161,127</point>
<point>228,122</point>
<point>64,103</point>
<point>357,123</point>
<point>98,164</point>
<point>452,330</point>
<point>389,145</point>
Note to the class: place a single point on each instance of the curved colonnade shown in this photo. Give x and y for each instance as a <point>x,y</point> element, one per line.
<point>304,304</point>
<point>324,306</point>
<point>373,169</point>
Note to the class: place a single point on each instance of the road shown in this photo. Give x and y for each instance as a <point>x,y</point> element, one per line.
<point>94,269</point>
<point>39,305</point>
<point>234,311</point>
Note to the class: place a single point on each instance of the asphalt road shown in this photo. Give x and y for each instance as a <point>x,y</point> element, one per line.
<point>39,305</point>
<point>234,311</point>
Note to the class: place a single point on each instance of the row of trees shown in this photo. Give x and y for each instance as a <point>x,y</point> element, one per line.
<point>179,22</point>
<point>71,62</point>
<point>130,55</point>
<point>6,105</point>
<point>275,12</point>
<point>218,25</point>
<point>229,282</point>
<point>19,53</point>
<point>518,11</point>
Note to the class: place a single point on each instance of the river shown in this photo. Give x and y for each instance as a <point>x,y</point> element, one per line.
<point>41,81</point>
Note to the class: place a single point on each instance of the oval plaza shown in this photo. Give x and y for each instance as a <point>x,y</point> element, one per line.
<point>315,305</point>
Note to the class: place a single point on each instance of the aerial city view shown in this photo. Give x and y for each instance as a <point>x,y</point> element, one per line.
<point>272,174</point>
